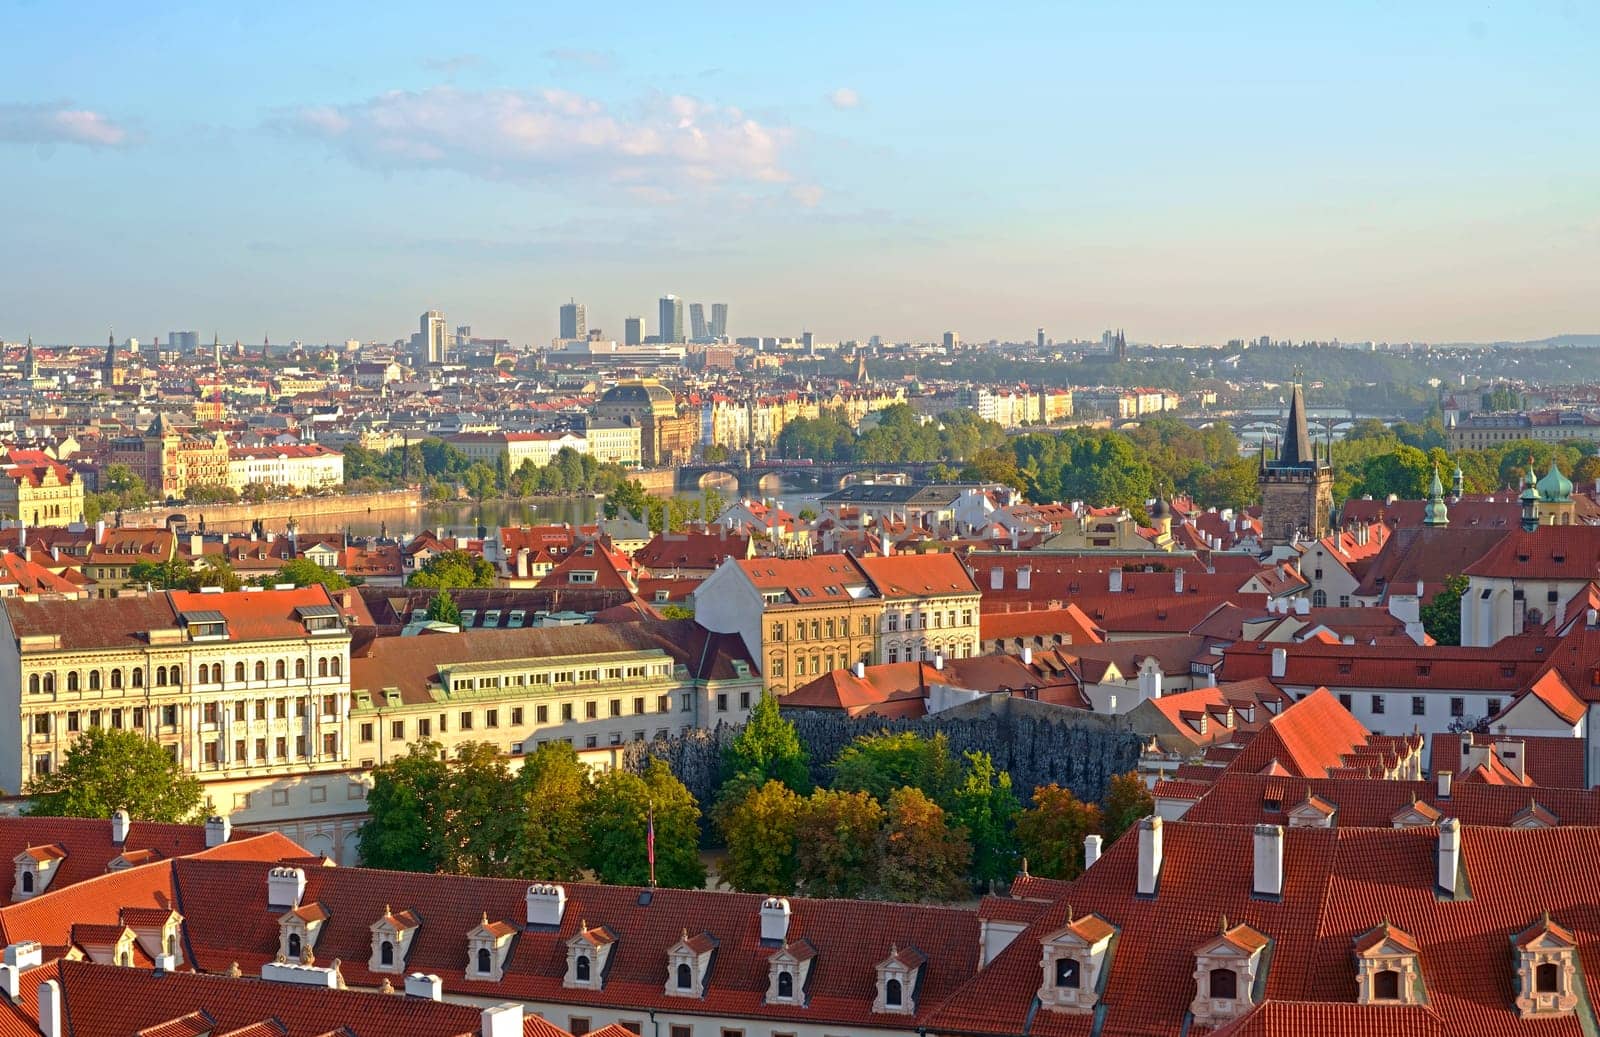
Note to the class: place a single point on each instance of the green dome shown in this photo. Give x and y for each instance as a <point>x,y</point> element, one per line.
<point>1555,486</point>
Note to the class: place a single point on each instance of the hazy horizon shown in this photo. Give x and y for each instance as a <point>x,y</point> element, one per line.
<point>1192,174</point>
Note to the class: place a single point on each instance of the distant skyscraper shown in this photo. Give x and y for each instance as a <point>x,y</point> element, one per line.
<point>697,321</point>
<point>574,320</point>
<point>633,331</point>
<point>1041,338</point>
<point>431,338</point>
<point>952,340</point>
<point>719,319</point>
<point>671,327</point>
<point>186,343</point>
<point>808,339</point>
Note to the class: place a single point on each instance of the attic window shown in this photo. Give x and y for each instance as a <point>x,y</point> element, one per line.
<point>805,592</point>
<point>1423,669</point>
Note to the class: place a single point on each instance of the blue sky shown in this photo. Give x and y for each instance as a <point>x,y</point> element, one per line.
<point>1192,172</point>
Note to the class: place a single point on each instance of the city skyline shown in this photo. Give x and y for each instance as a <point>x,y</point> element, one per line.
<point>1196,174</point>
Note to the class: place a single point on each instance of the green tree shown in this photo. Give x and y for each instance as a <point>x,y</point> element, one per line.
<point>1403,471</point>
<point>216,571</point>
<point>987,808</point>
<point>553,793</point>
<point>406,792</point>
<point>760,834</point>
<point>836,843</point>
<point>920,857</point>
<point>878,764</point>
<point>1127,800</point>
<point>619,820</point>
<point>303,572</point>
<point>627,498</point>
<point>170,575</point>
<point>768,748</point>
<point>109,770</point>
<point>453,570</point>
<point>472,817</point>
<point>1441,617</point>
<point>1050,832</point>
<point>442,608</point>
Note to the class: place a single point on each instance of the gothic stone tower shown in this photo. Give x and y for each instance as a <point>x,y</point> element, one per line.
<point>1297,485</point>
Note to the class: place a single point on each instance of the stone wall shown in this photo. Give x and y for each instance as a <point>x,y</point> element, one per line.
<point>276,512</point>
<point>1036,742</point>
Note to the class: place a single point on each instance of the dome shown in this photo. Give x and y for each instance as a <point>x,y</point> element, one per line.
<point>1159,509</point>
<point>637,392</point>
<point>1555,486</point>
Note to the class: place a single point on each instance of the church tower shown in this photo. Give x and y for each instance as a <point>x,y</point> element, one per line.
<point>111,373</point>
<point>1297,485</point>
<point>30,364</point>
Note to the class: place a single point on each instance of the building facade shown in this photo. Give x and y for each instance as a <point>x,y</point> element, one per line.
<point>38,490</point>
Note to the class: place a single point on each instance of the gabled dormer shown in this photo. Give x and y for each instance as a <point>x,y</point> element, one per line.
<point>1073,963</point>
<point>36,866</point>
<point>1547,966</point>
<point>1388,967</point>
<point>1415,814</point>
<point>298,930</point>
<point>588,954</point>
<point>488,947</point>
<point>159,931</point>
<point>392,937</point>
<point>689,964</point>
<point>1534,816</point>
<point>1226,972</point>
<point>788,969</point>
<point>131,859</point>
<point>105,944</point>
<point>1312,812</point>
<point>899,979</point>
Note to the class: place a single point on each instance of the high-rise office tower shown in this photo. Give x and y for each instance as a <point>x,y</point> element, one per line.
<point>185,342</point>
<point>1041,338</point>
<point>719,319</point>
<point>697,321</point>
<point>431,338</point>
<point>952,340</point>
<point>633,331</point>
<point>671,326</point>
<point>574,320</point>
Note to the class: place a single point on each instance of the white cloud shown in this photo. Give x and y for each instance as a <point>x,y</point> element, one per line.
<point>63,124</point>
<point>844,99</point>
<point>668,142</point>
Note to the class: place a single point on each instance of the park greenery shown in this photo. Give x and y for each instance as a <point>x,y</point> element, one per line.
<point>445,472</point>
<point>108,770</point>
<point>453,570</point>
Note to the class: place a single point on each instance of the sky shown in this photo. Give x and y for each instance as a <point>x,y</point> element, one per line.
<point>1189,172</point>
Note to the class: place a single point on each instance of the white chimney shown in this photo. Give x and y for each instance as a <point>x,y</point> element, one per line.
<point>1177,581</point>
<point>860,670</point>
<point>285,887</point>
<point>421,984</point>
<point>1149,682</point>
<point>1027,655</point>
<point>1091,850</point>
<point>197,544</point>
<point>1302,606</point>
<point>1443,780</point>
<point>218,829</point>
<point>1149,855</point>
<point>522,563</point>
<point>10,981</point>
<point>1269,861</point>
<point>502,1020</point>
<point>1025,578</point>
<point>50,1021</point>
<point>1592,618</point>
<point>1280,662</point>
<point>100,532</point>
<point>119,827</point>
<point>166,963</point>
<point>1116,581</point>
<point>775,920</point>
<point>938,661</point>
<point>25,955</point>
<point>1449,854</point>
<point>546,903</point>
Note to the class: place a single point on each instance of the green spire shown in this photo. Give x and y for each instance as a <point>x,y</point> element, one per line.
<point>1436,514</point>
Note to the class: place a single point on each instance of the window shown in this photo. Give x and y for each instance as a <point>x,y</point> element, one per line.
<point>777,631</point>
<point>1547,978</point>
<point>616,707</point>
<point>366,732</point>
<point>261,671</point>
<point>591,709</point>
<point>1386,986</point>
<point>397,730</point>
<point>209,713</point>
<point>1319,597</point>
<point>282,709</point>
<point>238,672</point>
<point>386,953</point>
<point>300,669</point>
<point>279,670</point>
<point>1344,700</point>
<point>891,993</point>
<point>94,680</point>
<point>300,745</point>
<point>686,701</point>
<point>424,728</point>
<point>744,700</point>
<point>72,680</point>
<point>280,748</point>
<point>1067,971</point>
<point>1494,707</point>
<point>294,946</point>
<point>1458,707</point>
<point>33,684</point>
<point>238,750</point>
<point>466,720</point>
<point>681,1030</point>
<point>116,678</point>
<point>638,704</point>
<point>72,721</point>
<point>261,749</point>
<point>138,678</point>
<point>578,1024</point>
<point>580,968</point>
<point>516,715</point>
<point>1344,601</point>
<point>1419,705</point>
<point>485,961</point>
<point>786,984</point>
<point>1224,984</point>
<point>41,724</point>
<point>322,667</point>
<point>1377,704</point>
<point>566,711</point>
<point>722,702</point>
<point>685,977</point>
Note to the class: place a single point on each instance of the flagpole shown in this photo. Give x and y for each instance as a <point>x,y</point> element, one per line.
<point>650,843</point>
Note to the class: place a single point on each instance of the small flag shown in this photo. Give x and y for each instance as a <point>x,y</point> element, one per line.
<point>650,843</point>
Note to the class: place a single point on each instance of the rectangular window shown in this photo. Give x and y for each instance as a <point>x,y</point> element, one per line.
<point>722,702</point>
<point>616,707</point>
<point>679,1030</point>
<point>444,723</point>
<point>591,709</point>
<point>94,718</point>
<point>397,730</point>
<point>1419,705</point>
<point>590,742</point>
<point>1458,707</point>
<point>238,711</point>
<point>491,718</point>
<point>1377,704</point>
<point>281,751</point>
<point>566,711</point>
<point>424,728</point>
<point>238,750</point>
<point>138,718</point>
<point>366,732</point>
<point>209,713</point>
<point>116,719</point>
<point>330,705</point>
<point>72,721</point>
<point>282,709</point>
<point>300,745</point>
<point>516,716</point>
<point>685,703</point>
<point>41,763</point>
<point>466,720</point>
<point>261,709</point>
<point>210,754</point>
<point>261,749</point>
<point>41,723</point>
<point>578,1024</point>
<point>1344,700</point>
<point>1494,707</point>
<point>638,704</point>
<point>169,716</point>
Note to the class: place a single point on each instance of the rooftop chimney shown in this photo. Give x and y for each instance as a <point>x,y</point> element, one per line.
<point>1027,655</point>
<point>1302,606</point>
<point>285,887</point>
<point>860,670</point>
<point>50,1021</point>
<point>1280,662</point>
<point>1269,861</point>
<point>1177,581</point>
<point>775,920</point>
<point>218,829</point>
<point>546,903</point>
<point>938,661</point>
<point>100,532</point>
<point>1592,618</point>
<point>19,958</point>
<point>503,1020</point>
<point>421,984</point>
<point>1444,779</point>
<point>197,544</point>
<point>1449,855</point>
<point>119,827</point>
<point>1116,581</point>
<point>1149,855</point>
<point>1091,850</point>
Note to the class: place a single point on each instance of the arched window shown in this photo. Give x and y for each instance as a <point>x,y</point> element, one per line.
<point>161,676</point>
<point>336,665</point>
<point>322,667</point>
<point>49,684</point>
<point>127,959</point>
<point>116,679</point>
<point>238,672</point>
<point>278,670</point>
<point>1386,986</point>
<point>786,984</point>
<point>386,953</point>
<point>261,671</point>
<point>138,678</point>
<point>1067,973</point>
<point>294,946</point>
<point>484,960</point>
<point>1224,983</point>
<point>300,669</point>
<point>685,977</point>
<point>1319,597</point>
<point>891,993</point>
<point>27,882</point>
<point>33,684</point>
<point>175,676</point>
<point>581,968</point>
<point>1547,978</point>
<point>172,944</point>
<point>72,680</point>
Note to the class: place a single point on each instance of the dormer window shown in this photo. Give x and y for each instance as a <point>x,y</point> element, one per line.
<point>1225,974</point>
<point>588,951</point>
<point>35,867</point>
<point>1547,964</point>
<point>689,964</point>
<point>899,976</point>
<point>392,936</point>
<point>1388,967</point>
<point>488,947</point>
<point>298,931</point>
<point>788,968</point>
<point>1072,963</point>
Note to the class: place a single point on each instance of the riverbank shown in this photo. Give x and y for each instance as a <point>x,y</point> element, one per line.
<point>308,512</point>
